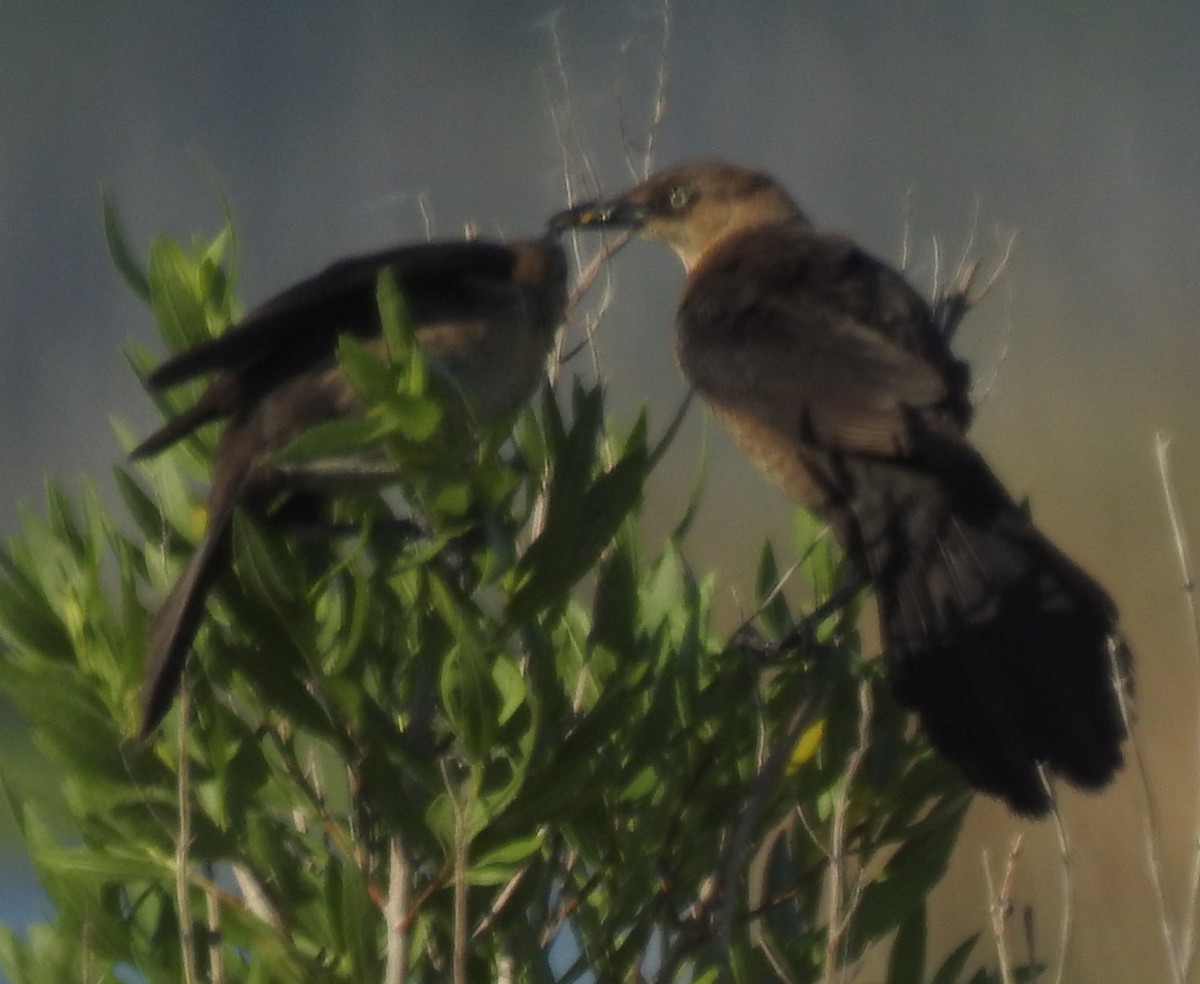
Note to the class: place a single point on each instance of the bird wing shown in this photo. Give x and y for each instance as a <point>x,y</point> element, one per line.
<point>805,335</point>
<point>340,297</point>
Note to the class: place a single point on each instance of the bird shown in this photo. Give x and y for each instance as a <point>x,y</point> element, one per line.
<point>485,312</point>
<point>829,371</point>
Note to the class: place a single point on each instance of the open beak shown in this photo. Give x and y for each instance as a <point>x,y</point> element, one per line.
<point>617,213</point>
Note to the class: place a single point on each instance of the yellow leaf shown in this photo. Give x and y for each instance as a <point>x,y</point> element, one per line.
<point>806,746</point>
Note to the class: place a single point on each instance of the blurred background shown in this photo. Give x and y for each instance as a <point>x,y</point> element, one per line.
<point>336,129</point>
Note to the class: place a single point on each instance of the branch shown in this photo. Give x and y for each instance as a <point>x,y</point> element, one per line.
<point>1000,907</point>
<point>183,837</point>
<point>395,913</point>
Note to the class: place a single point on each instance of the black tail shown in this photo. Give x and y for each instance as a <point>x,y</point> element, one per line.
<point>219,400</point>
<point>1001,644</point>
<point>177,621</point>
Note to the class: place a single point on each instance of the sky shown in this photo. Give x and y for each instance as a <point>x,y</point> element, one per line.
<point>332,129</point>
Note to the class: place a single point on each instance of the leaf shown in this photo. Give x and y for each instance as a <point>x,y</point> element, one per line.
<point>906,961</point>
<point>571,540</point>
<point>141,507</point>
<point>952,966</point>
<point>118,249</point>
<point>775,614</point>
<point>510,684</point>
<point>497,865</point>
<point>394,318</point>
<point>907,878</point>
<point>615,603</point>
<point>807,745</point>
<point>175,296</point>
<point>336,440</point>
<point>69,716</point>
<point>28,619</point>
<point>468,691</point>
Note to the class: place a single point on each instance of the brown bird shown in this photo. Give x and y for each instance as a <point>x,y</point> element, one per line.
<point>829,371</point>
<point>485,312</point>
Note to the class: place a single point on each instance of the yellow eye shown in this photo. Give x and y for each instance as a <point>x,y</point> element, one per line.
<point>679,196</point>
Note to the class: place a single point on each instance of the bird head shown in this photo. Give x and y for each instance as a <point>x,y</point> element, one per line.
<point>690,208</point>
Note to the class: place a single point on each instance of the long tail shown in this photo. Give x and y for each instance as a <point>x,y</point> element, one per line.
<point>177,621</point>
<point>219,400</point>
<point>1002,645</point>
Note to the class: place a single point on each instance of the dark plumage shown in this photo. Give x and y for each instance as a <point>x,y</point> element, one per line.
<point>828,370</point>
<point>486,312</point>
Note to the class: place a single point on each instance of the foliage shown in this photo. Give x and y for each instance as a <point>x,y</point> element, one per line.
<point>511,745</point>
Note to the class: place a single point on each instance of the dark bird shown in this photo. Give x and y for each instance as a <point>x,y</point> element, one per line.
<point>829,371</point>
<point>485,312</point>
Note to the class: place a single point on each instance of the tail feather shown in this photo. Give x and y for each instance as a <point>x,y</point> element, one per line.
<point>176,623</point>
<point>1003,646</point>
<point>218,400</point>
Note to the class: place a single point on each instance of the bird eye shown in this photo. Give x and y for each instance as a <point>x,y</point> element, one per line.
<point>679,196</point>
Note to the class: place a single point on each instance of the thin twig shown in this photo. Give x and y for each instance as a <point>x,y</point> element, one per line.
<point>587,276</point>
<point>766,782</point>
<point>842,905</point>
<point>906,227</point>
<point>756,896</point>
<point>963,269</point>
<point>1183,556</point>
<point>658,105</point>
<point>1153,829</point>
<point>984,390</point>
<point>462,935</point>
<point>500,901</point>
<point>1000,907</point>
<point>1068,880</point>
<point>183,837</point>
<point>426,210</point>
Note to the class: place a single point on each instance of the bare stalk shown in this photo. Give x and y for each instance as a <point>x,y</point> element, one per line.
<point>396,912</point>
<point>1067,869</point>
<point>756,897</point>
<point>658,106</point>
<point>462,932</point>
<point>765,784</point>
<point>1000,907</point>
<point>842,904</point>
<point>183,838</point>
<point>906,227</point>
<point>1153,829</point>
<point>1183,556</point>
<point>500,902</point>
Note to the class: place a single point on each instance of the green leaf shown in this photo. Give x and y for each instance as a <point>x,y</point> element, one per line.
<point>395,319</point>
<point>69,716</point>
<point>497,865</point>
<point>952,966</point>
<point>28,619</point>
<point>906,961</point>
<point>175,296</point>
<point>907,878</point>
<point>468,690</point>
<point>775,614</point>
<point>572,540</point>
<point>510,684</point>
<point>615,603</point>
<point>118,248</point>
<point>337,440</point>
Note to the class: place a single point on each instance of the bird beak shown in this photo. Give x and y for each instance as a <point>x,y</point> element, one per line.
<point>617,212</point>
